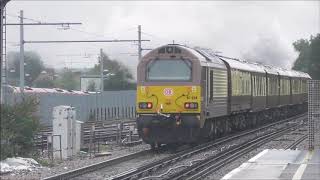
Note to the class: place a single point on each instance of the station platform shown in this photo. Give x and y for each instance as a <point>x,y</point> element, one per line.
<point>271,164</point>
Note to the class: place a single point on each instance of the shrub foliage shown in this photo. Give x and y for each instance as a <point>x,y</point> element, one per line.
<point>18,127</point>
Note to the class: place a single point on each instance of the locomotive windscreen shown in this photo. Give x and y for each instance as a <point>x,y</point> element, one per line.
<point>169,70</point>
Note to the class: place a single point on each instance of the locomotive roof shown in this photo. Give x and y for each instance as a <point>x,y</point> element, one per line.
<point>210,57</point>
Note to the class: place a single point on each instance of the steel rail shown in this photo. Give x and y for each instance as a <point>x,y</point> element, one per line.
<point>146,170</point>
<point>216,162</point>
<point>97,166</point>
<point>297,142</point>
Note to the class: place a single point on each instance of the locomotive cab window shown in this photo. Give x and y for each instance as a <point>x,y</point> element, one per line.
<point>169,70</point>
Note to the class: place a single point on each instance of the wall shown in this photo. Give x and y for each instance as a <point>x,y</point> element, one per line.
<point>105,106</point>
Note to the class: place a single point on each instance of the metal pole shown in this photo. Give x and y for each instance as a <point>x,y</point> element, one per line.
<point>86,41</point>
<point>319,17</point>
<point>21,53</point>
<point>60,147</point>
<point>44,24</point>
<point>139,43</point>
<point>1,49</point>
<point>101,71</point>
<point>52,149</point>
<point>2,6</point>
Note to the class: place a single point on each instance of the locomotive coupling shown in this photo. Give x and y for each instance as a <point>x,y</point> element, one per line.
<point>159,112</point>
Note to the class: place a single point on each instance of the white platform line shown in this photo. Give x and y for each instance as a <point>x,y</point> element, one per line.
<point>258,155</point>
<point>242,166</point>
<point>302,167</point>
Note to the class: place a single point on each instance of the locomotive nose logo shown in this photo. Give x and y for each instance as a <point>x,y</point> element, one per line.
<point>168,92</point>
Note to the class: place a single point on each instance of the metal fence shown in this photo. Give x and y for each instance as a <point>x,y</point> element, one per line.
<point>89,106</point>
<point>314,114</point>
<point>112,105</point>
<point>103,131</point>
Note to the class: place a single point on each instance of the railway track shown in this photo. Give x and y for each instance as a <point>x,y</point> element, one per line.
<point>97,166</point>
<point>211,164</point>
<point>297,142</point>
<point>148,169</point>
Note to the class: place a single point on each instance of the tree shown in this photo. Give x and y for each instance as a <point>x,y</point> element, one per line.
<point>92,86</point>
<point>18,127</point>
<point>68,80</point>
<point>122,78</point>
<point>33,67</point>
<point>309,56</point>
<point>45,79</point>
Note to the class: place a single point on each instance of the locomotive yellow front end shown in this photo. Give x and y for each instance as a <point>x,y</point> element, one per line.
<point>169,96</point>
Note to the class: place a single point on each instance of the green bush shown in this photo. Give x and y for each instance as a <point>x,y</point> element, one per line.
<point>18,127</point>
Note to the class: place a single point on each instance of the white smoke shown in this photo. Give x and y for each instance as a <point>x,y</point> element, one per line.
<point>272,47</point>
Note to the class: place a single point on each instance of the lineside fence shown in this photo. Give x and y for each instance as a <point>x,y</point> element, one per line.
<point>314,114</point>
<point>109,105</point>
<point>104,131</point>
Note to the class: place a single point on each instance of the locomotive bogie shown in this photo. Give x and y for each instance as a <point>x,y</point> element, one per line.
<point>175,128</point>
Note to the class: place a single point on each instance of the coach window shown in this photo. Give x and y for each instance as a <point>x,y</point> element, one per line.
<point>242,83</point>
<point>275,86</point>
<point>211,86</point>
<point>254,86</point>
<point>262,86</point>
<point>263,79</point>
<point>258,86</point>
<point>281,87</point>
<point>236,84</point>
<point>300,86</point>
<point>304,86</point>
<point>269,86</point>
<point>282,91</point>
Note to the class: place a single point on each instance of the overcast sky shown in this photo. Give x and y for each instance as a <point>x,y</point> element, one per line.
<point>256,30</point>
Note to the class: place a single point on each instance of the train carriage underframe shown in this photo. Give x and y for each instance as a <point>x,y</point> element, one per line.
<point>190,133</point>
<point>221,126</point>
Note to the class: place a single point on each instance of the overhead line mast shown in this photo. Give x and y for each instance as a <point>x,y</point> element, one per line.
<point>3,4</point>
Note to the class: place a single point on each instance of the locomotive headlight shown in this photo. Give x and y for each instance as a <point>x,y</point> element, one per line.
<point>145,105</point>
<point>149,105</point>
<point>191,105</point>
<point>187,105</point>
